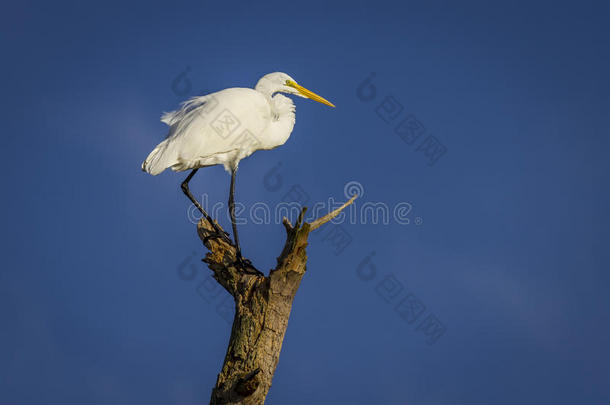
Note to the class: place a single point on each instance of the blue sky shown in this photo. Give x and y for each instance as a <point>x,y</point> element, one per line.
<point>102,295</point>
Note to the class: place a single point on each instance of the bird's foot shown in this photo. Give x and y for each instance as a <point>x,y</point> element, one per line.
<point>247,266</point>
<point>218,235</point>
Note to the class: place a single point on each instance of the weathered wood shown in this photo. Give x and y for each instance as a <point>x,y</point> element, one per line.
<point>262,309</point>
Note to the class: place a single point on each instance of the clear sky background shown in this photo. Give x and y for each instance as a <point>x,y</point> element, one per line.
<point>104,300</point>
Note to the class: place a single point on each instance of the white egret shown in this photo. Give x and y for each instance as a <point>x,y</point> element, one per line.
<point>225,127</point>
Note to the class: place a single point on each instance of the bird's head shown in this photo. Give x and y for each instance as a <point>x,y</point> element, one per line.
<point>281,82</point>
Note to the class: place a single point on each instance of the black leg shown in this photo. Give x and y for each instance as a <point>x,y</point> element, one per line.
<point>185,189</point>
<point>245,264</point>
<point>232,213</point>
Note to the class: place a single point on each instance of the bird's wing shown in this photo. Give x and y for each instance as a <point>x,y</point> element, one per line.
<point>212,129</point>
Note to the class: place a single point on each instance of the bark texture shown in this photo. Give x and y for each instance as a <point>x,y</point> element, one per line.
<point>262,309</point>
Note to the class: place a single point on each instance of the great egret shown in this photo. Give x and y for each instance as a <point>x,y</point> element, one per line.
<point>225,127</point>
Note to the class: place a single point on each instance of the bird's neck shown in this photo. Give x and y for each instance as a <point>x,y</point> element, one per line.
<point>282,109</point>
<point>281,105</point>
<point>265,87</point>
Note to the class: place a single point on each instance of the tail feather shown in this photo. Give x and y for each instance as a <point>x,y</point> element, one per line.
<point>165,154</point>
<point>158,160</point>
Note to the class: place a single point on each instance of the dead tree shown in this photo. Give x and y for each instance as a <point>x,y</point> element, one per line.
<point>262,309</point>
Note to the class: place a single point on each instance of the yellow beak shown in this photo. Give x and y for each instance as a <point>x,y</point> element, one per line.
<point>309,94</point>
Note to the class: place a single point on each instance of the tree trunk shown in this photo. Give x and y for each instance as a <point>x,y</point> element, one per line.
<point>262,309</point>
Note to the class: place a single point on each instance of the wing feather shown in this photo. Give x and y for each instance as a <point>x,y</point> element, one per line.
<point>210,130</point>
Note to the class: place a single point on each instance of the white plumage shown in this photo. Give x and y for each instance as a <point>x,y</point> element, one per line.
<point>227,126</point>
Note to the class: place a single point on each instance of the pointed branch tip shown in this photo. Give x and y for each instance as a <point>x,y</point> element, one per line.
<point>322,220</point>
